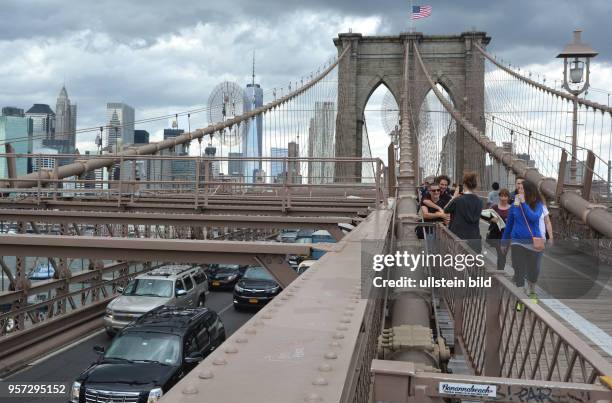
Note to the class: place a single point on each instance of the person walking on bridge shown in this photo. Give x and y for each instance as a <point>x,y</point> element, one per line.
<point>526,240</point>
<point>465,208</point>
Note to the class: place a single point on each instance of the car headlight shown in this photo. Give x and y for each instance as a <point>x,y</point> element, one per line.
<point>155,395</point>
<point>238,288</point>
<point>274,289</point>
<point>230,278</point>
<point>75,392</point>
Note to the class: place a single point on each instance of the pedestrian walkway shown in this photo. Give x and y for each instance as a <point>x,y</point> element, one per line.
<point>574,288</point>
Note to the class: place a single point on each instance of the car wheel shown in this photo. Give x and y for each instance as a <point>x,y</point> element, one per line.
<point>202,301</point>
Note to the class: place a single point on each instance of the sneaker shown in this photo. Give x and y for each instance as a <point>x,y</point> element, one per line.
<point>533,297</point>
<point>519,306</point>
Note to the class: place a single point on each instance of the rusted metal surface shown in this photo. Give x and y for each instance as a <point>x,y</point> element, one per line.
<point>400,382</point>
<point>145,250</point>
<point>232,221</point>
<point>311,331</point>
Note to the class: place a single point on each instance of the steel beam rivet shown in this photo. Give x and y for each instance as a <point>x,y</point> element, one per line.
<point>231,350</point>
<point>284,297</point>
<point>290,294</point>
<point>278,303</point>
<point>242,340</point>
<point>335,344</point>
<point>251,331</point>
<point>313,397</point>
<point>219,361</point>
<point>259,323</point>
<point>325,368</point>
<point>267,316</point>
<point>190,390</point>
<point>345,320</point>
<point>331,355</point>
<point>320,381</point>
<point>348,314</point>
<point>338,336</point>
<point>350,308</point>
<point>206,374</point>
<point>342,328</point>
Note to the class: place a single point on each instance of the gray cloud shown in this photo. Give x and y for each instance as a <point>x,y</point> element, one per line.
<point>164,56</point>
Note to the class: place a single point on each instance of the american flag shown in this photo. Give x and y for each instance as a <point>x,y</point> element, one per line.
<point>420,12</point>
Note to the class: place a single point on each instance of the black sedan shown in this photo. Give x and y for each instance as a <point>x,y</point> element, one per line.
<point>224,276</point>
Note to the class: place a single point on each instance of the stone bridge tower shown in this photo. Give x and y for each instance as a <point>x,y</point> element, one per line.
<point>452,61</point>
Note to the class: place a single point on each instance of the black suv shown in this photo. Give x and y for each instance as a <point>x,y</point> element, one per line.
<point>149,356</point>
<point>255,289</point>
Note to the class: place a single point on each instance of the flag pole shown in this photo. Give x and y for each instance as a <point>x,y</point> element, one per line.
<point>411,19</point>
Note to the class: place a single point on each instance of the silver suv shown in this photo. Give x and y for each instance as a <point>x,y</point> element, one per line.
<point>172,285</point>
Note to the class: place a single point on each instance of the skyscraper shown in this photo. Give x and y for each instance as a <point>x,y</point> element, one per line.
<point>120,126</point>
<point>12,111</point>
<point>235,167</point>
<point>14,130</point>
<point>65,121</point>
<point>321,143</point>
<point>277,168</point>
<point>43,123</point>
<point>252,142</point>
<point>141,137</point>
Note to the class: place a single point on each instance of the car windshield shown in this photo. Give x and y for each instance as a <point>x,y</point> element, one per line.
<point>230,268</point>
<point>149,287</point>
<point>145,346</point>
<point>258,273</point>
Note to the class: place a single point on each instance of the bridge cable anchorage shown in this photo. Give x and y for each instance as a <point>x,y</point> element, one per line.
<point>596,218</point>
<point>77,169</point>
<point>581,101</point>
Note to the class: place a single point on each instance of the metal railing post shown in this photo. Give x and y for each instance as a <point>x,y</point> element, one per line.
<point>492,365</point>
<point>609,178</point>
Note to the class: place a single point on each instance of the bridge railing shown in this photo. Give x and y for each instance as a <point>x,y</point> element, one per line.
<point>504,334</point>
<point>134,177</point>
<point>27,308</point>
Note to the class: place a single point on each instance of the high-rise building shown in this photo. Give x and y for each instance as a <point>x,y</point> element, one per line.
<point>43,158</point>
<point>294,174</point>
<point>14,130</point>
<point>321,134</point>
<point>277,168</point>
<point>252,142</point>
<point>12,111</point>
<point>43,123</point>
<point>65,120</point>
<point>120,126</point>
<point>235,167</point>
<point>141,137</point>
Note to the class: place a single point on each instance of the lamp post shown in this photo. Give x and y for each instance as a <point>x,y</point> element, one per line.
<point>578,56</point>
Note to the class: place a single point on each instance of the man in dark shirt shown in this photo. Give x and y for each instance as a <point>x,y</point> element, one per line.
<point>442,181</point>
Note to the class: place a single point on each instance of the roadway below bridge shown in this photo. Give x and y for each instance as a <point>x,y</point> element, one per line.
<point>67,363</point>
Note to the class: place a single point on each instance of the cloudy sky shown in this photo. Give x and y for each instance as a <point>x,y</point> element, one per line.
<point>163,57</point>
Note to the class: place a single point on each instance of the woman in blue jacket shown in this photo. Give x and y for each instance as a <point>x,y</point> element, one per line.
<point>523,224</point>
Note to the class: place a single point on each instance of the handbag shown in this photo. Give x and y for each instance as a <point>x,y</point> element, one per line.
<point>539,244</point>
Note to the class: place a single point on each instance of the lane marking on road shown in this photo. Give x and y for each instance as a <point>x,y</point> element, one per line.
<point>56,352</point>
<point>225,309</point>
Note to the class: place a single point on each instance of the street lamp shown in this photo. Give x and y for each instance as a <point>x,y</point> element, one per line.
<point>576,57</point>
